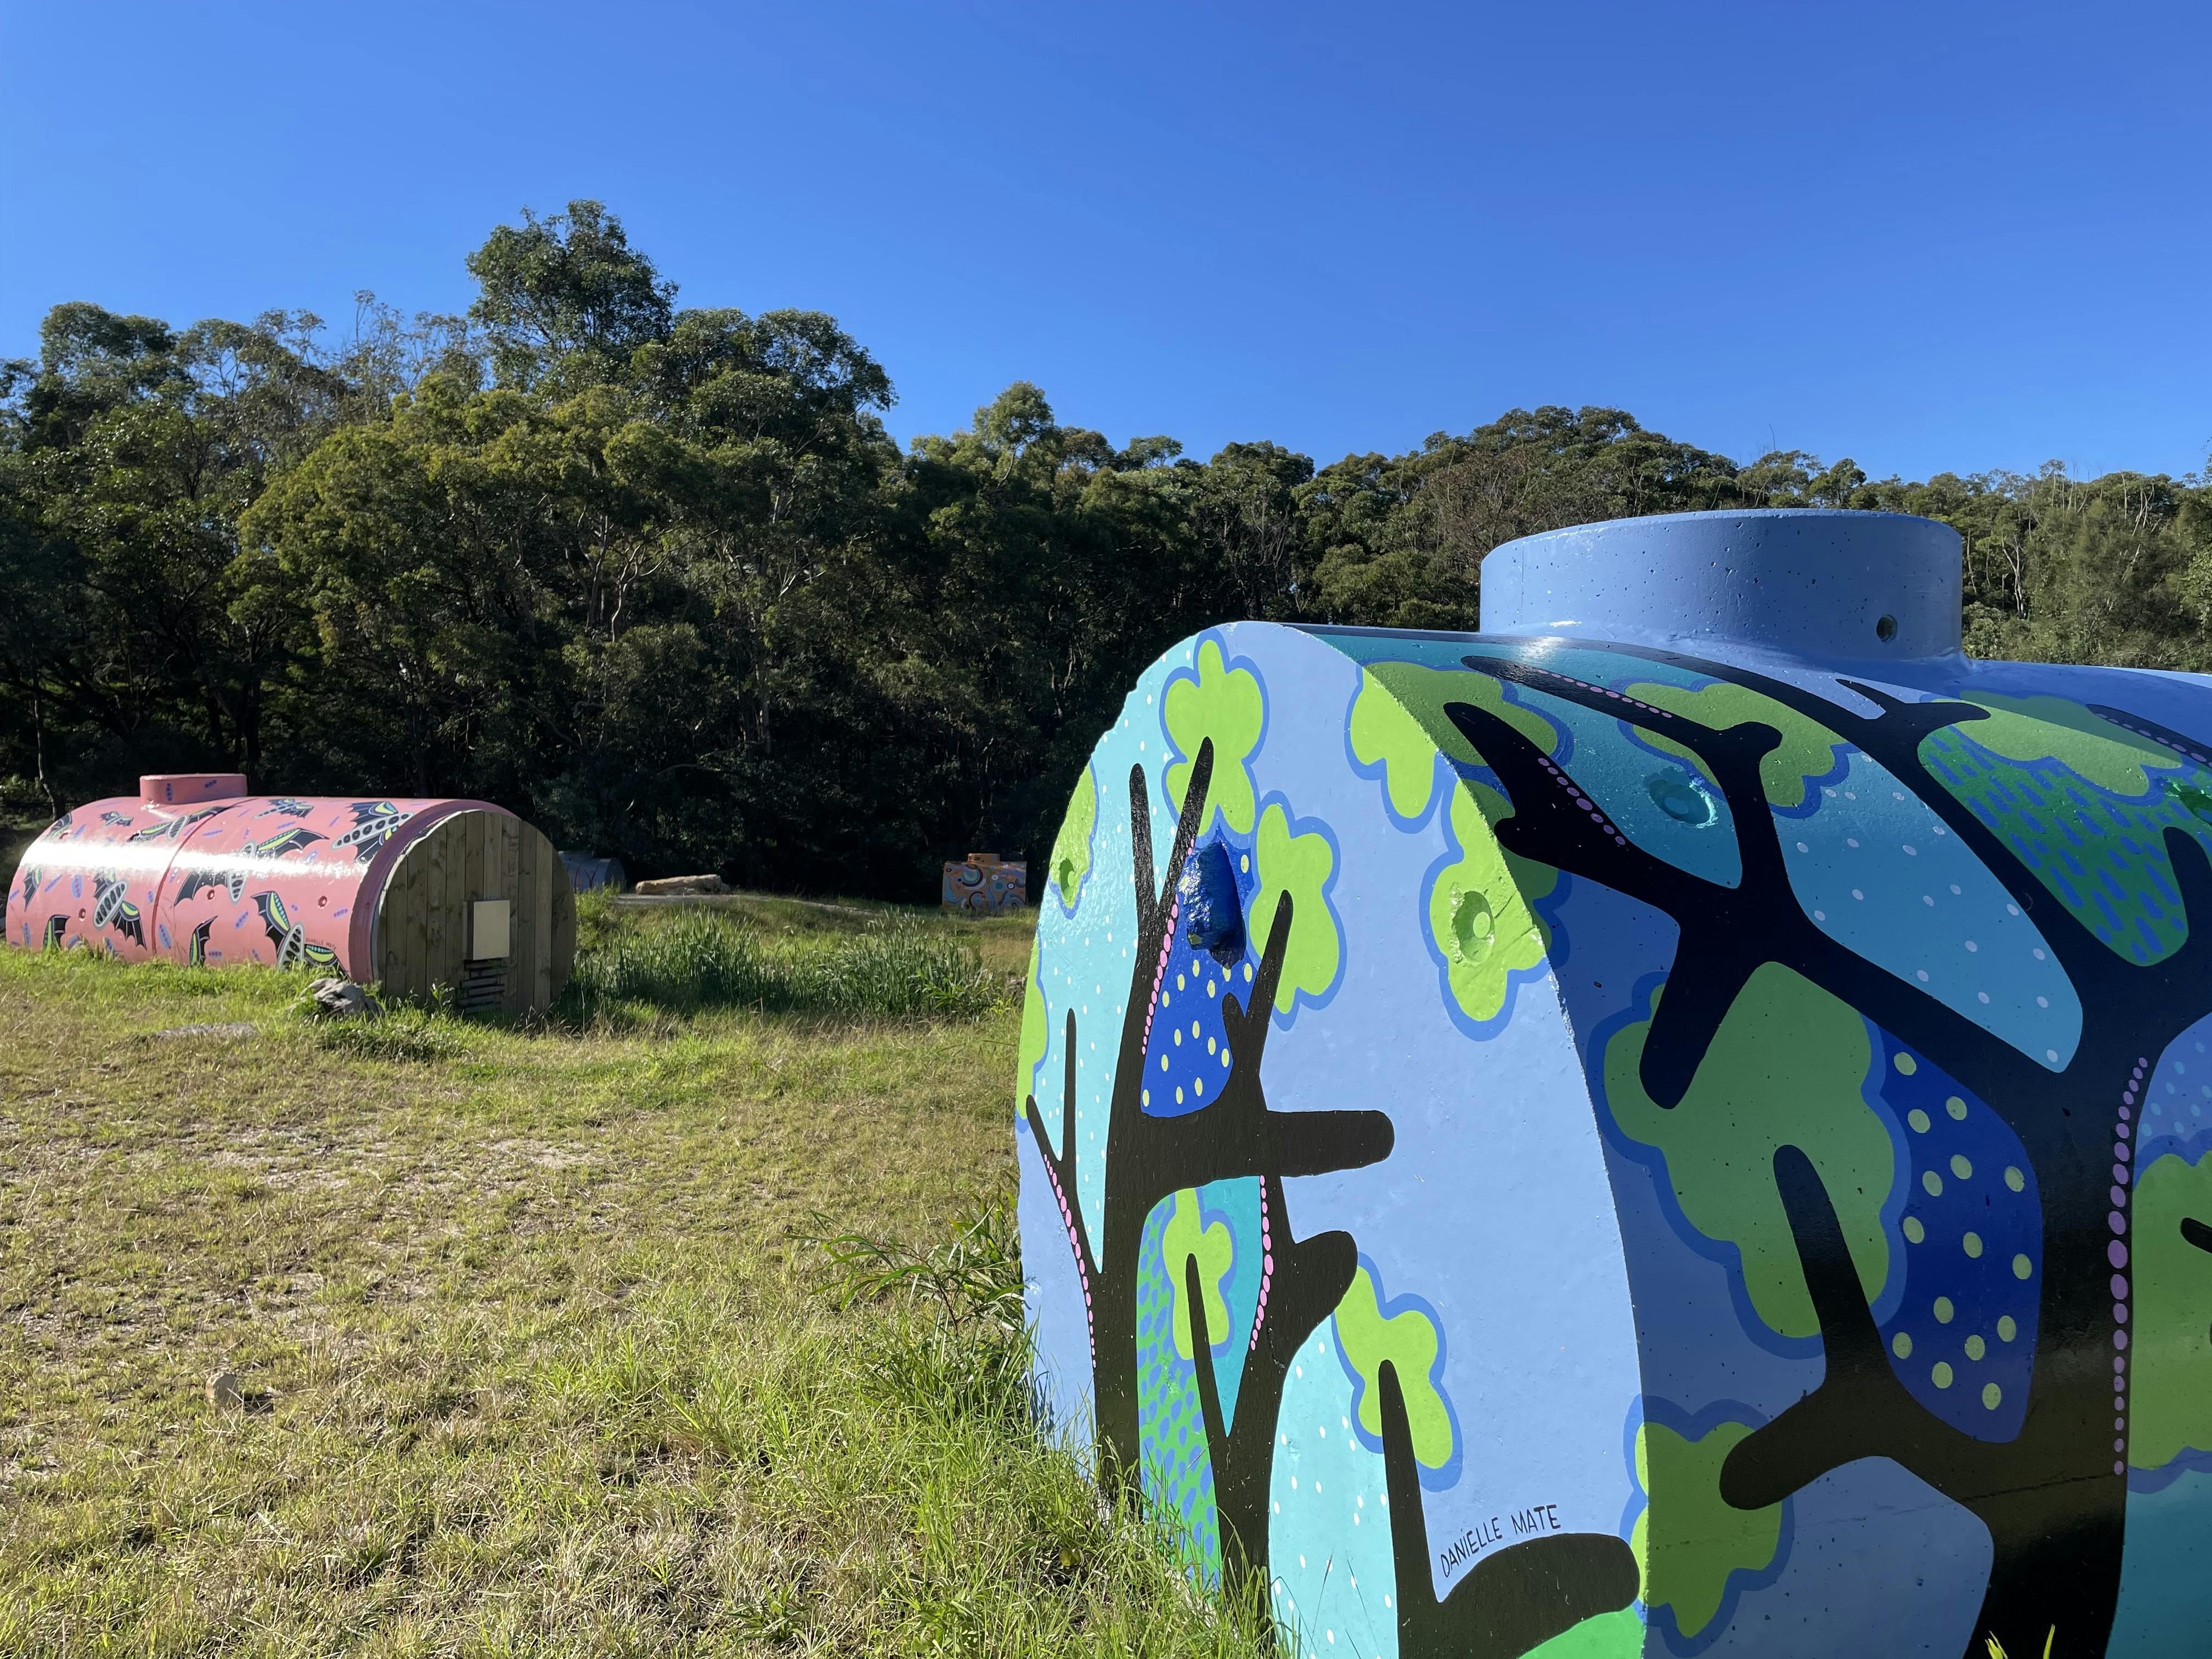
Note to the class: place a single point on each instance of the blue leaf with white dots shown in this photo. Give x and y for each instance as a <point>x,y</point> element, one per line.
<point>1962,1338</point>
<point>1186,1059</point>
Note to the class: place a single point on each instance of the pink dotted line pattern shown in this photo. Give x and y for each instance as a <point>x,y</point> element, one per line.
<point>1075,1245</point>
<point>1582,803</point>
<point>2164,739</point>
<point>1160,967</point>
<point>1266,1268</point>
<point>2117,1253</point>
<point>1597,690</point>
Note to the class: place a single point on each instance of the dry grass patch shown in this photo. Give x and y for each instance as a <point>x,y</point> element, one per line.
<point>536,1357</point>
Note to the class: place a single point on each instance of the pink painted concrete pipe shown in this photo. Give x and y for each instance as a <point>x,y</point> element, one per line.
<point>198,870</point>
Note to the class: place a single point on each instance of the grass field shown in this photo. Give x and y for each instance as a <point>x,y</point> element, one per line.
<point>537,1354</point>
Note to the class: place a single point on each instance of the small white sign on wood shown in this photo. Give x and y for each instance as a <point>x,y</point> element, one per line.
<point>487,930</point>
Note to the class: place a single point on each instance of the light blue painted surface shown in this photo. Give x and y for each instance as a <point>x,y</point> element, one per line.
<point>1573,1296</point>
<point>1801,583</point>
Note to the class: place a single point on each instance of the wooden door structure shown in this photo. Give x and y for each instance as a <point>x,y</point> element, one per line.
<point>423,919</point>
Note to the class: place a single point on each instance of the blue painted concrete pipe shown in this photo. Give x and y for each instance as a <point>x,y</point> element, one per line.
<point>1674,1124</point>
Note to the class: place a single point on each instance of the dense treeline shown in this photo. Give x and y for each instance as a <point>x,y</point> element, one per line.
<point>659,578</point>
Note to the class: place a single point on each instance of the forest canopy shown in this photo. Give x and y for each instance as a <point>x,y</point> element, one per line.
<point>659,579</point>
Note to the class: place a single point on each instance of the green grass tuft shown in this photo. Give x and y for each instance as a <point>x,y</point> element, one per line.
<point>404,1033</point>
<point>896,968</point>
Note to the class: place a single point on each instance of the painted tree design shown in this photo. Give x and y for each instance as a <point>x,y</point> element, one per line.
<point>2054,1495</point>
<point>1150,1157</point>
<point>1519,1596</point>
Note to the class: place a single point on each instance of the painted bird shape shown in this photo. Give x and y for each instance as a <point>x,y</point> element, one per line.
<point>115,818</point>
<point>290,937</point>
<point>111,906</point>
<point>197,880</point>
<point>374,820</point>
<point>195,949</point>
<point>33,876</point>
<point>175,826</point>
<point>287,805</point>
<point>290,839</point>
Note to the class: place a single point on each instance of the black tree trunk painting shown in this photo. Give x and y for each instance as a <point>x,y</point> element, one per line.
<point>1149,1157</point>
<point>1517,1597</point>
<point>2053,1498</point>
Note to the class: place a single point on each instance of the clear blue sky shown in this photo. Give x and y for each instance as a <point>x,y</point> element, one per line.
<point>1924,235</point>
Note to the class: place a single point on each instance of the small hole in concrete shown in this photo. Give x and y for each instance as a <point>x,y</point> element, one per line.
<point>1886,629</point>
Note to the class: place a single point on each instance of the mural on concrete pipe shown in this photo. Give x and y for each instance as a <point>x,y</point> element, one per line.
<point>1543,1147</point>
<point>263,879</point>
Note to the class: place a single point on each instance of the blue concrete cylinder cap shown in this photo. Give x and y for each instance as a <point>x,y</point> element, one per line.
<point>1863,587</point>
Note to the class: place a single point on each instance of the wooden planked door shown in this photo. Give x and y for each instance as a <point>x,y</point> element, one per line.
<point>422,915</point>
